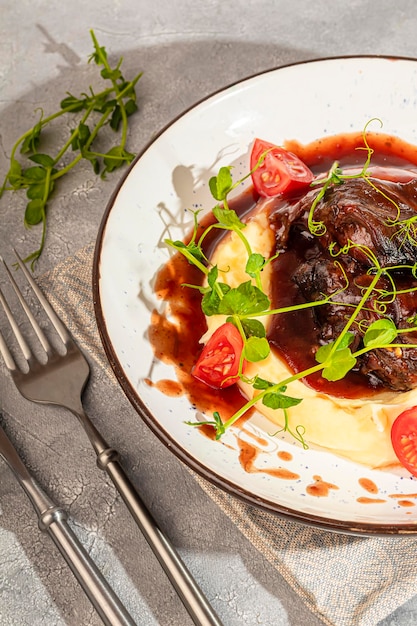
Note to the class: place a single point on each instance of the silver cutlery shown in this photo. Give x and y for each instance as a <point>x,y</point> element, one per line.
<point>61,381</point>
<point>53,520</point>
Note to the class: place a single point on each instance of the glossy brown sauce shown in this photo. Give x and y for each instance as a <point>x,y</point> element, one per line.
<point>320,488</point>
<point>168,387</point>
<point>392,160</point>
<point>321,154</point>
<point>248,455</point>
<point>364,500</point>
<point>368,485</point>
<point>175,337</point>
<point>284,455</point>
<point>178,343</point>
<point>403,495</point>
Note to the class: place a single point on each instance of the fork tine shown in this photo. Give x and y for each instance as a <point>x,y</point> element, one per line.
<point>6,354</point>
<point>56,322</point>
<point>39,333</point>
<point>15,328</point>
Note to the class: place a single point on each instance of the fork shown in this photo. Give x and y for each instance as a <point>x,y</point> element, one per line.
<point>61,381</point>
<point>53,521</point>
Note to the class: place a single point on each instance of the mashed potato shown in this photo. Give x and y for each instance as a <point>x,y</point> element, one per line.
<point>357,429</point>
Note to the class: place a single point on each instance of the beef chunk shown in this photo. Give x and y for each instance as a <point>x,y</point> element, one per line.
<point>357,212</point>
<point>394,368</point>
<point>368,215</point>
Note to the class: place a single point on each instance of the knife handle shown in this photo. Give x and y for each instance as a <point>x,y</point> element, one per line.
<point>53,521</point>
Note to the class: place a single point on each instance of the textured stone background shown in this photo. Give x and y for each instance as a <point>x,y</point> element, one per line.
<point>187,49</point>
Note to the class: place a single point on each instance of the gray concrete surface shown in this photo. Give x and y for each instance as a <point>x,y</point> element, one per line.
<point>187,49</point>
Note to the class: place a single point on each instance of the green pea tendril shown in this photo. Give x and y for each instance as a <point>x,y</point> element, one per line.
<point>244,304</point>
<point>88,114</point>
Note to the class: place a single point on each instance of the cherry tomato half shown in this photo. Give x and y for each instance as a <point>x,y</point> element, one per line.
<point>280,170</point>
<point>218,364</point>
<point>404,439</point>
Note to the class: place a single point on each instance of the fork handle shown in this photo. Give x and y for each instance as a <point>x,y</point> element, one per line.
<point>192,597</point>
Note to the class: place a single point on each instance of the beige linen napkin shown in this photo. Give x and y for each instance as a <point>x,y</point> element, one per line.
<point>346,581</point>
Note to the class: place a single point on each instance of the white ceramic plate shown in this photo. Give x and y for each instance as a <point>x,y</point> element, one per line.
<point>303,102</point>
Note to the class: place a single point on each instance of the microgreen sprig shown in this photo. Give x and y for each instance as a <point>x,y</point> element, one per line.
<point>246,304</point>
<point>112,106</point>
<point>335,176</point>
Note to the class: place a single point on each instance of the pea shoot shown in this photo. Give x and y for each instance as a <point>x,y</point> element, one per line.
<point>246,304</point>
<point>89,113</point>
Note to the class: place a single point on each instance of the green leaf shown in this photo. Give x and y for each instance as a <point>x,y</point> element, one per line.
<point>220,430</point>
<point>246,299</point>
<point>79,139</point>
<point>116,157</point>
<point>116,118</point>
<point>35,212</point>
<point>35,174</point>
<point>31,142</point>
<point>253,328</point>
<point>194,250</point>
<point>255,264</point>
<point>99,55</point>
<point>84,134</point>
<point>95,164</point>
<point>261,383</point>
<point>15,174</point>
<point>323,352</point>
<point>211,300</point>
<point>73,103</point>
<point>126,87</point>
<point>103,105</point>
<point>108,73</point>
<point>131,107</point>
<point>277,400</point>
<point>212,276</point>
<point>228,218</point>
<point>43,159</point>
<point>341,363</point>
<point>36,191</point>
<point>256,349</point>
<point>221,184</point>
<point>381,332</point>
